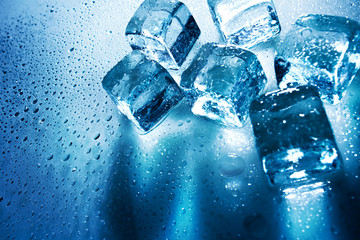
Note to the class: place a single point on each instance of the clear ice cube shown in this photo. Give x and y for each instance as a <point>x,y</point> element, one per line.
<point>320,50</point>
<point>245,22</point>
<point>223,81</point>
<point>294,137</point>
<point>165,31</point>
<point>142,89</point>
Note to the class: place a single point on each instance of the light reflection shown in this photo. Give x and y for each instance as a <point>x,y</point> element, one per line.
<point>328,157</point>
<point>242,137</point>
<point>184,220</point>
<point>294,155</point>
<point>310,190</point>
<point>298,175</point>
<point>233,185</point>
<point>305,210</point>
<point>154,150</point>
<point>164,164</point>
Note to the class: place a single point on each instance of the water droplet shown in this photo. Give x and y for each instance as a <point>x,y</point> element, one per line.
<point>97,137</point>
<point>183,211</point>
<point>306,32</point>
<point>231,166</point>
<point>67,158</point>
<point>183,164</point>
<point>128,151</point>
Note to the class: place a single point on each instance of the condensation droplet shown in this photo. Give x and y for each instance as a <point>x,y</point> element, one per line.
<point>97,137</point>
<point>67,158</point>
<point>128,151</point>
<point>231,166</point>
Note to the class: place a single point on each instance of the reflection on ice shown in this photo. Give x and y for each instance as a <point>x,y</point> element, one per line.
<point>310,190</point>
<point>294,137</point>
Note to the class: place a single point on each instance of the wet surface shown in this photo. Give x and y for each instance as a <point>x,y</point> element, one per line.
<point>72,167</point>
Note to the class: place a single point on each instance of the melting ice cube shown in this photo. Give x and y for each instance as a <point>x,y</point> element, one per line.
<point>164,31</point>
<point>142,89</point>
<point>223,80</point>
<point>245,22</point>
<point>320,50</point>
<point>294,137</point>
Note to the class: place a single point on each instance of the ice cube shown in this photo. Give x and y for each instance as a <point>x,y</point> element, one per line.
<point>165,31</point>
<point>142,89</point>
<point>245,22</point>
<point>294,137</point>
<point>223,81</point>
<point>320,50</point>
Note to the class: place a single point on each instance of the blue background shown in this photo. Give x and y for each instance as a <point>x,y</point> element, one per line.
<point>72,167</point>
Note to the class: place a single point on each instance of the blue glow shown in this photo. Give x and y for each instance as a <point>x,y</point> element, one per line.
<point>304,211</point>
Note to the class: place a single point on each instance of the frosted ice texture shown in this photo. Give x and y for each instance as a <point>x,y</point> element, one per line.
<point>294,137</point>
<point>223,81</point>
<point>320,50</point>
<point>164,31</point>
<point>245,22</point>
<point>142,89</point>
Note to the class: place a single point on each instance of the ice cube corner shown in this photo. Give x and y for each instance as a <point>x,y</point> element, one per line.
<point>164,30</point>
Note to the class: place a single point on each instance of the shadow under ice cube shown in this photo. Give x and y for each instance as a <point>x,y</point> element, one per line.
<point>245,22</point>
<point>142,89</point>
<point>223,81</point>
<point>165,31</point>
<point>294,137</point>
<point>320,50</point>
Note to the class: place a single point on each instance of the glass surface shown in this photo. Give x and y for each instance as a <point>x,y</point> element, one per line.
<point>72,167</point>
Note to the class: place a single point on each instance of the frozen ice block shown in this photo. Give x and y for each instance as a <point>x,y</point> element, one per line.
<point>245,22</point>
<point>142,89</point>
<point>294,137</point>
<point>223,81</point>
<point>320,50</point>
<point>164,30</point>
